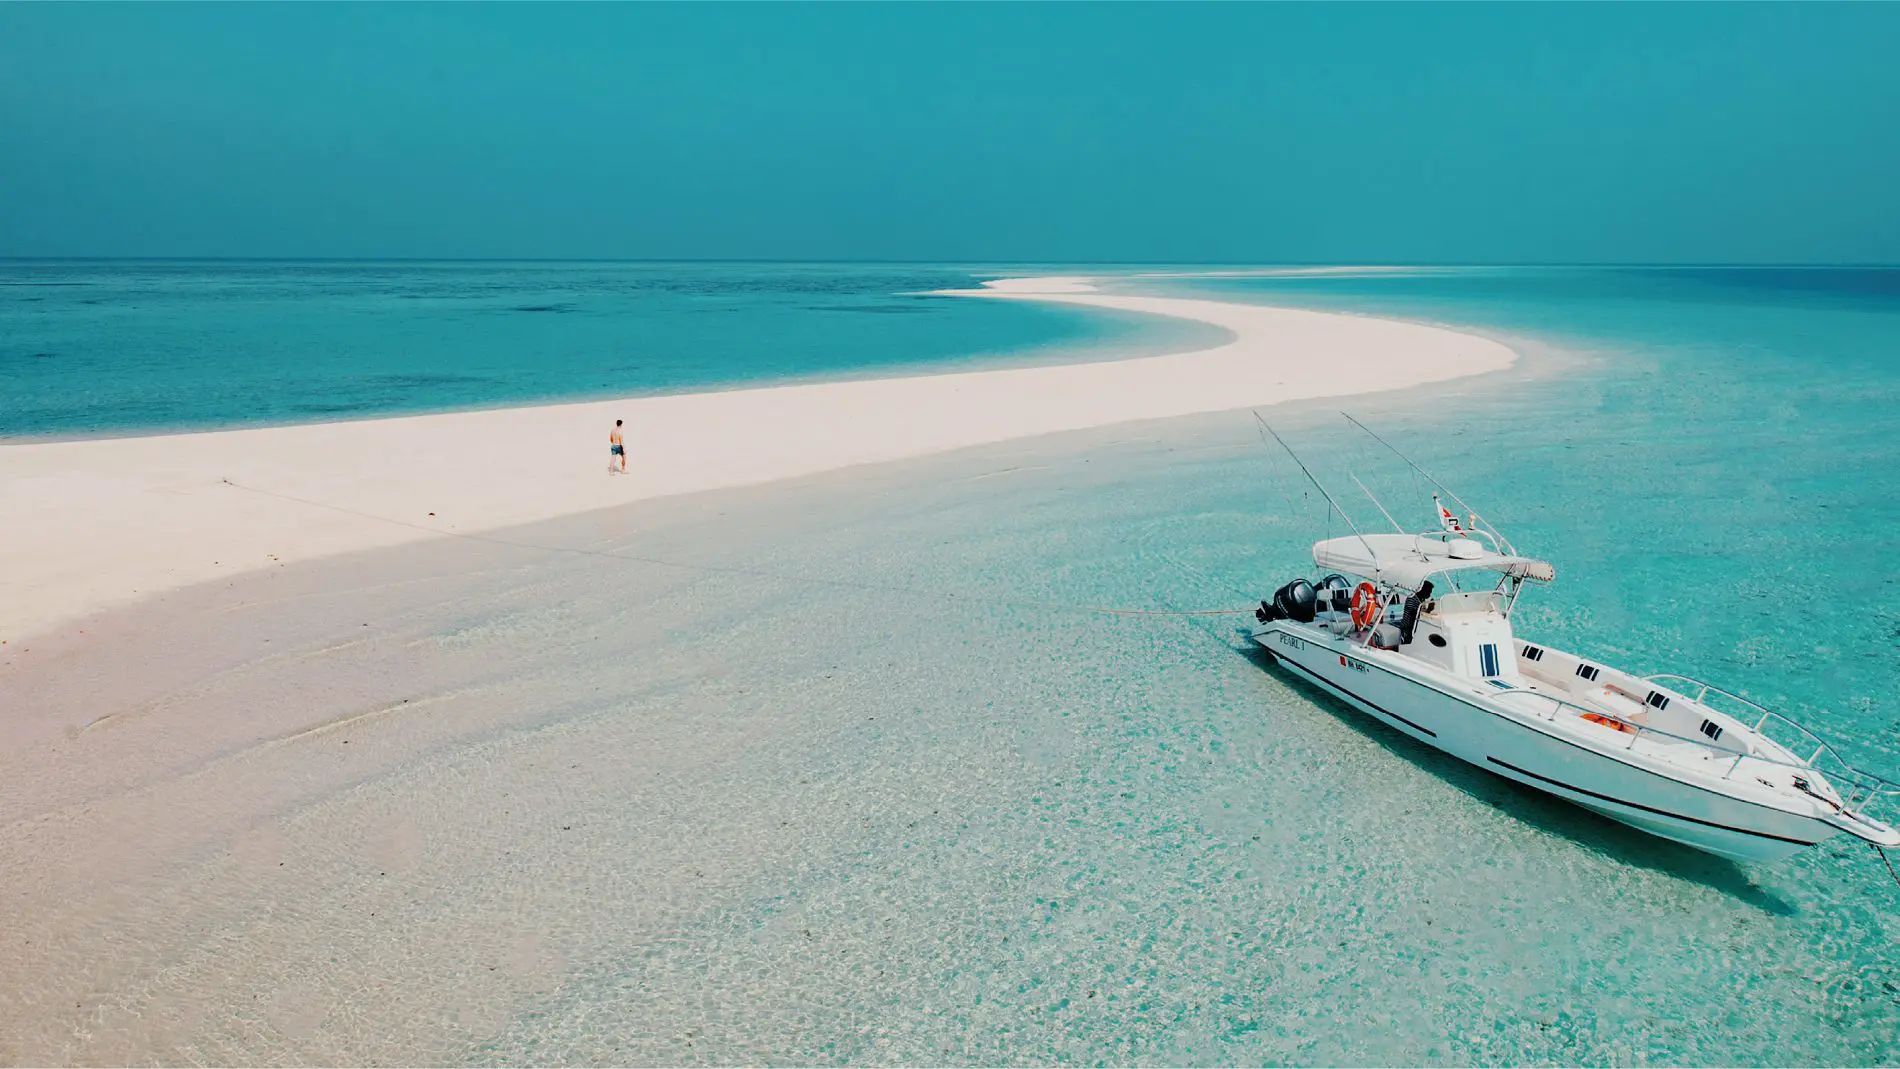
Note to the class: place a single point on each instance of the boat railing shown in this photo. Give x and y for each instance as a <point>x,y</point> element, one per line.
<point>1824,758</point>
<point>1860,789</point>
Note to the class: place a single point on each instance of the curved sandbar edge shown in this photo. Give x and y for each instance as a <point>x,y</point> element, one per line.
<point>95,524</point>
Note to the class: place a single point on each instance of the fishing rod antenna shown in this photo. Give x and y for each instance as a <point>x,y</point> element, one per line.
<point>1376,503</point>
<point>1504,542</point>
<point>1267,428</point>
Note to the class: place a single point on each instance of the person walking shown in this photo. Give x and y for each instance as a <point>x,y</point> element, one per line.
<point>616,450</point>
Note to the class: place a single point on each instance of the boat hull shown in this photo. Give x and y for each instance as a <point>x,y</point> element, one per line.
<point>1519,747</point>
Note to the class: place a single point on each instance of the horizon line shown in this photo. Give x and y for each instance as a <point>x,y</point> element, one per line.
<point>1736,264</point>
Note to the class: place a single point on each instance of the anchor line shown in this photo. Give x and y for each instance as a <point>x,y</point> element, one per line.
<point>1889,862</point>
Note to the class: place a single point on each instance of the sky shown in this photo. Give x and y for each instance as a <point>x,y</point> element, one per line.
<point>1348,133</point>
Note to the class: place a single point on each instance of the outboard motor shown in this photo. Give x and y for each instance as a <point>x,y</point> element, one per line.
<point>1335,594</point>
<point>1296,600</point>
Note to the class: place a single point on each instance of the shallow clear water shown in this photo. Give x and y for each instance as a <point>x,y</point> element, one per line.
<point>118,347</point>
<point>1711,457</point>
<point>845,782</point>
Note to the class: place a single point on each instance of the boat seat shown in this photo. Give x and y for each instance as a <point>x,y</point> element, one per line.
<point>1337,623</point>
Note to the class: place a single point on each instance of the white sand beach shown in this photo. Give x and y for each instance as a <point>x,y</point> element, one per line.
<point>96,524</point>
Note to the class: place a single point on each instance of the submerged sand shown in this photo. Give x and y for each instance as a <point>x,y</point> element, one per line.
<point>824,772</point>
<point>790,797</point>
<point>737,776</point>
<point>98,524</point>
<point>832,770</point>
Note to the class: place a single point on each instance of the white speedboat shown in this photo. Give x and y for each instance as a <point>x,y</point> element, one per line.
<point>1396,629</point>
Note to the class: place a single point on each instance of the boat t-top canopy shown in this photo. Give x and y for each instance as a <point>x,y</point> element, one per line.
<point>1406,561</point>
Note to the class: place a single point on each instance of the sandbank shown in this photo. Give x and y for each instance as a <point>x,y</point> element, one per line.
<point>96,524</point>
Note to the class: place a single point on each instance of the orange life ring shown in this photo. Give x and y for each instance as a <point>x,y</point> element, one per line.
<point>1365,605</point>
<point>1610,722</point>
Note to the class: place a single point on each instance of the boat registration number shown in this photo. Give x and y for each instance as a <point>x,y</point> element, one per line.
<point>1348,662</point>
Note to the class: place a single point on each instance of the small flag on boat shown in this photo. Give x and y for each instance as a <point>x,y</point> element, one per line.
<point>1445,518</point>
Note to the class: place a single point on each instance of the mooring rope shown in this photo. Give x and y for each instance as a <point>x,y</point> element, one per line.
<point>1888,861</point>
<point>753,573</point>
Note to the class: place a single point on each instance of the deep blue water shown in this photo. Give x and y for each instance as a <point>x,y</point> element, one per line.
<point>119,347</point>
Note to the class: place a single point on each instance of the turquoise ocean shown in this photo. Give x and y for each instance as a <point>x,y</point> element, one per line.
<point>1711,457</point>
<point>117,347</point>
<point>1096,841</point>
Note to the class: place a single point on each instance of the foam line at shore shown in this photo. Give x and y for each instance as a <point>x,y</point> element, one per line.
<point>91,525</point>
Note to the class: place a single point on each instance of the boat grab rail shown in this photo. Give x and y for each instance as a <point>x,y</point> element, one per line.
<point>1864,786</point>
<point>1872,784</point>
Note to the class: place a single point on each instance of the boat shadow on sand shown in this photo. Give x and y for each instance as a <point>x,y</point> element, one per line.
<point>1539,810</point>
